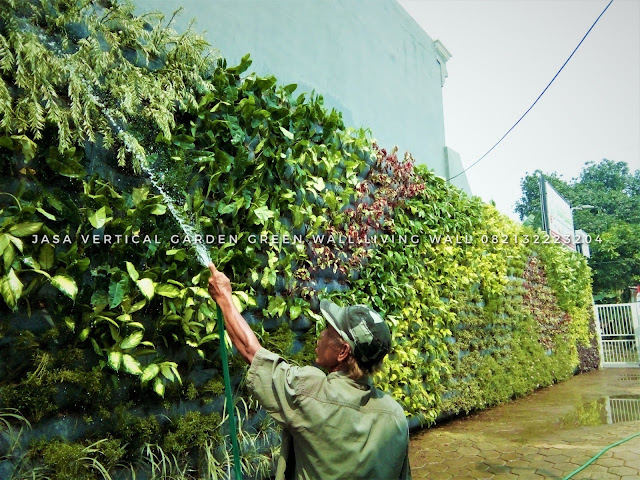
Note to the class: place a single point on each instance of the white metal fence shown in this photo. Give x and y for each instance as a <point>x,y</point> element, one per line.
<point>619,334</point>
<point>623,409</point>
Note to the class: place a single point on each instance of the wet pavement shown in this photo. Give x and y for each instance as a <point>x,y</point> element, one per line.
<point>548,434</point>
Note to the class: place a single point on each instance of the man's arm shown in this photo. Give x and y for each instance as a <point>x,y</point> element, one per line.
<point>240,332</point>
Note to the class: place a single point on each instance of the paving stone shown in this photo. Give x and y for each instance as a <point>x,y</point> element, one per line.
<point>481,466</point>
<point>499,469</point>
<point>533,458</point>
<point>596,469</point>
<point>567,467</point>
<point>572,439</point>
<point>528,450</point>
<point>447,447</point>
<point>522,471</point>
<point>626,455</point>
<point>414,446</point>
<point>485,446</point>
<point>632,464</point>
<point>469,462</point>
<point>606,476</point>
<point>557,458</point>
<point>580,459</point>
<point>455,456</point>
<point>435,457</point>
<point>550,452</point>
<point>587,477</point>
<point>468,451</point>
<point>439,476</point>
<point>541,464</point>
<point>506,476</point>
<point>458,472</point>
<point>420,474</point>
<point>549,472</point>
<point>481,475</point>
<point>528,476</point>
<point>464,442</point>
<point>610,462</point>
<point>418,463</point>
<point>507,448</point>
<point>510,456</point>
<point>490,454</point>
<point>623,471</point>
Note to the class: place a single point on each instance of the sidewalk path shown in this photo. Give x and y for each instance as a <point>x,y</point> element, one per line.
<point>545,435</point>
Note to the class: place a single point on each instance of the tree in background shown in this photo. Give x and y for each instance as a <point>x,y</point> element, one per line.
<point>614,191</point>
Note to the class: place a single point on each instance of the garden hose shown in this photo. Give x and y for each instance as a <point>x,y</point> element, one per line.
<point>598,455</point>
<point>229,400</point>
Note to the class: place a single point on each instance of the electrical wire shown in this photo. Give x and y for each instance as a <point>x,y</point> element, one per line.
<point>539,96</point>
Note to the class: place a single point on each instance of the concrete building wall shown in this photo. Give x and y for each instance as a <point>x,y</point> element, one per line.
<point>368,59</point>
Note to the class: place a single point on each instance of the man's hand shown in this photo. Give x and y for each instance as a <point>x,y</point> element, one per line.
<point>241,335</point>
<point>219,284</point>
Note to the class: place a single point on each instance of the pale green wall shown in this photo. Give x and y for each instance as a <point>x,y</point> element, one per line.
<point>368,58</point>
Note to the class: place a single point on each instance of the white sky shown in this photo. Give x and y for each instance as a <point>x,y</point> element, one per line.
<point>504,52</point>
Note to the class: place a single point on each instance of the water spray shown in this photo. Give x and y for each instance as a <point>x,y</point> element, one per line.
<point>205,260</point>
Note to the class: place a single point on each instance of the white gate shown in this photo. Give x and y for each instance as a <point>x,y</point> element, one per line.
<point>619,334</point>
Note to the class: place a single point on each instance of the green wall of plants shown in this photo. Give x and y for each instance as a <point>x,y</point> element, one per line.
<point>109,352</point>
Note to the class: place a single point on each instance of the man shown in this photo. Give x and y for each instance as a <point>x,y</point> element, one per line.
<point>336,425</point>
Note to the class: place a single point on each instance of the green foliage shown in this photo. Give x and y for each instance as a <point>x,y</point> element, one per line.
<point>75,461</point>
<point>134,430</point>
<point>192,431</point>
<point>105,315</point>
<point>517,326</point>
<point>279,341</point>
<point>613,224</point>
<point>83,70</point>
<point>616,261</point>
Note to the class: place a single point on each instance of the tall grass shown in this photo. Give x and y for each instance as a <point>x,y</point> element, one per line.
<point>215,462</point>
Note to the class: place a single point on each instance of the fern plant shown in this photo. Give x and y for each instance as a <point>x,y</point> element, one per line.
<point>83,72</point>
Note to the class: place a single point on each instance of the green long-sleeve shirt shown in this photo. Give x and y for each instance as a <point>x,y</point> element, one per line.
<point>335,427</point>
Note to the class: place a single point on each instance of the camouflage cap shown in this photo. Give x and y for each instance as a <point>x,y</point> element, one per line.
<point>362,328</point>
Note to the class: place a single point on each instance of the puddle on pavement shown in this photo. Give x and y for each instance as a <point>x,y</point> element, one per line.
<point>593,399</point>
<point>603,411</point>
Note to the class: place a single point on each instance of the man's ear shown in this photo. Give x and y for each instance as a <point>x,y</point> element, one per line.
<point>345,350</point>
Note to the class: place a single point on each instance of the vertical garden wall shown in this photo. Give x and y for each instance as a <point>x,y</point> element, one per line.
<point>109,358</point>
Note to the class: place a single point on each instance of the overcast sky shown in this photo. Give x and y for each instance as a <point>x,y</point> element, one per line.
<point>504,53</point>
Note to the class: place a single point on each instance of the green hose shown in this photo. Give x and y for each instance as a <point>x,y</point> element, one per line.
<point>598,455</point>
<point>229,400</point>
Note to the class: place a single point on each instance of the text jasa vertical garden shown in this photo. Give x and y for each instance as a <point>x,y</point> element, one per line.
<point>222,239</point>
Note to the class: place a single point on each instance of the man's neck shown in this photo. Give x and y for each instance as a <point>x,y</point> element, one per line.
<point>340,367</point>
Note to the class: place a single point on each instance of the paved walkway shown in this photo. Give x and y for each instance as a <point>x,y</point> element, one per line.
<point>548,434</point>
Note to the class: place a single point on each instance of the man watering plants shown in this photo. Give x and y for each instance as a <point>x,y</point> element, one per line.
<point>336,425</point>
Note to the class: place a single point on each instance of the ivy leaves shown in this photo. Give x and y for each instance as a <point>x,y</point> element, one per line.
<point>66,285</point>
<point>11,289</point>
<point>145,285</point>
<point>99,218</point>
<point>14,234</point>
